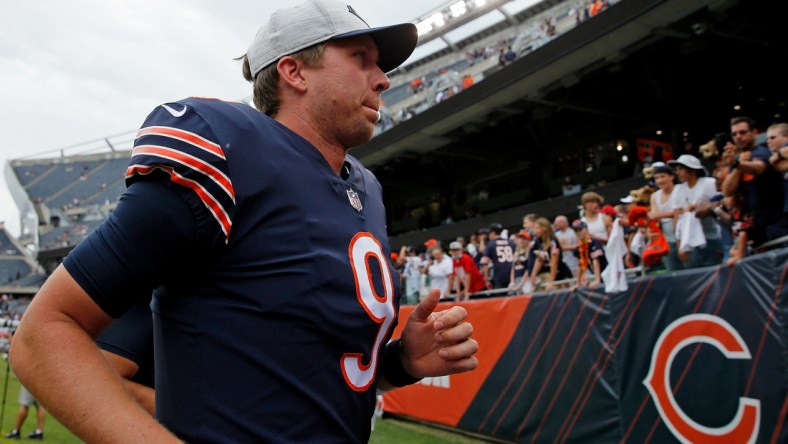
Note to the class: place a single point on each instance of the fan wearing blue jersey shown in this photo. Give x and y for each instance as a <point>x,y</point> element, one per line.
<point>265,247</point>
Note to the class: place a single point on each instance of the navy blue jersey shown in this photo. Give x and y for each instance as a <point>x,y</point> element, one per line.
<point>271,312</point>
<point>499,253</point>
<point>131,337</point>
<point>546,252</point>
<point>763,197</point>
<point>595,251</point>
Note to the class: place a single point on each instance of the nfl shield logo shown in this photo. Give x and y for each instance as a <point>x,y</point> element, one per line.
<point>355,200</point>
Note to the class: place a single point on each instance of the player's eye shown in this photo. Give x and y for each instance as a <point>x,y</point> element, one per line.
<point>362,55</point>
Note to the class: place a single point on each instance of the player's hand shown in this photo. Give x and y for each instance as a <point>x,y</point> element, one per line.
<point>438,343</point>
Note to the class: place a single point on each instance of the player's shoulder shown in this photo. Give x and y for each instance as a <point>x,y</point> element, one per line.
<point>221,109</point>
<point>198,111</point>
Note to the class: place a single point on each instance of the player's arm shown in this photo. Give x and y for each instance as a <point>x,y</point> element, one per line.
<point>127,369</point>
<point>128,346</point>
<point>55,356</point>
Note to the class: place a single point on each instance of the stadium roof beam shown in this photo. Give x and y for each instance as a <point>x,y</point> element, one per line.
<point>450,43</point>
<point>514,21</point>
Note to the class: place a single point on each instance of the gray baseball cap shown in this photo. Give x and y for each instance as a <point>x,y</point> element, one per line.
<point>294,28</point>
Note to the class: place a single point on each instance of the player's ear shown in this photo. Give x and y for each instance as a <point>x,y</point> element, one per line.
<point>290,72</point>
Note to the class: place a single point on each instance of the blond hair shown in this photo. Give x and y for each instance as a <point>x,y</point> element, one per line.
<point>265,89</point>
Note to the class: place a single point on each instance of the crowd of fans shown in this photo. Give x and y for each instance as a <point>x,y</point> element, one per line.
<point>506,50</point>
<point>728,202</point>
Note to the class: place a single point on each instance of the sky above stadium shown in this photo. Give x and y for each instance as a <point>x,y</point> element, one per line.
<point>76,71</point>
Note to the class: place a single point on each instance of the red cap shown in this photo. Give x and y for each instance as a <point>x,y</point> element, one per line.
<point>609,210</point>
<point>430,243</point>
<point>525,234</point>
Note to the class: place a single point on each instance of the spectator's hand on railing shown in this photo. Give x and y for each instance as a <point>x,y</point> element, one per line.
<point>548,286</point>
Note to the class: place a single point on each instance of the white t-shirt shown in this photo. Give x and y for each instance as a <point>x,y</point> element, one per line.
<point>439,274</point>
<point>412,273</point>
<point>705,188</point>
<point>666,223</point>
<point>596,227</point>
<point>569,238</point>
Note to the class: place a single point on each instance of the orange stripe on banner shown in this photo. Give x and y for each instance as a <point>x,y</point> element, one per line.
<point>778,426</point>
<point>630,300</point>
<point>534,361</point>
<point>444,400</point>
<point>571,365</point>
<point>765,332</point>
<point>705,292</point>
<point>557,359</point>
<point>696,350</point>
<point>780,421</point>
<point>520,364</point>
<point>635,418</point>
<point>607,359</point>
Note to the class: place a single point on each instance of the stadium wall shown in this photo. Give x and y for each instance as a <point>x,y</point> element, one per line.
<point>691,356</point>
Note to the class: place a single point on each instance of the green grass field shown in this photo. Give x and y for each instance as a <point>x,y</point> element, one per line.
<point>387,430</point>
<point>53,431</point>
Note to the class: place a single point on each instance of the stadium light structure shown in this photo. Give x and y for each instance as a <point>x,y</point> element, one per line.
<point>451,15</point>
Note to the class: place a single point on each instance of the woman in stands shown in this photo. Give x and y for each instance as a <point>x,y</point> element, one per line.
<point>599,224</point>
<point>662,208</point>
<point>519,275</point>
<point>547,251</point>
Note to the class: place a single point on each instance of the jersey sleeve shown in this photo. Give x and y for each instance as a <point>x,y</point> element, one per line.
<point>177,145</point>
<point>151,238</point>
